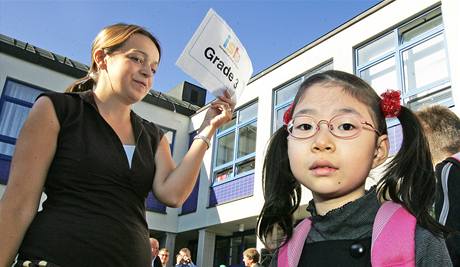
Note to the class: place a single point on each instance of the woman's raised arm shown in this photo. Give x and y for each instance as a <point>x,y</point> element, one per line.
<point>172,185</point>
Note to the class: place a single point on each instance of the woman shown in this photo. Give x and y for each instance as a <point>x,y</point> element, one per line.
<point>97,161</point>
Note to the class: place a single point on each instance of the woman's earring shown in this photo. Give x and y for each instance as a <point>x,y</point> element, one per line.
<point>92,75</point>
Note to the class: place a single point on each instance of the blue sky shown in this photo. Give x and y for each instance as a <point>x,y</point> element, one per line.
<point>269,30</point>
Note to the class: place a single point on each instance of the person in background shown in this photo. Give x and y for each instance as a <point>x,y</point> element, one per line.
<point>97,160</point>
<point>251,257</point>
<point>442,128</point>
<point>334,134</point>
<point>184,258</point>
<point>164,257</point>
<point>154,245</point>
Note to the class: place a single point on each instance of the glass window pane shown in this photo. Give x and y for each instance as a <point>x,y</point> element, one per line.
<point>381,76</point>
<point>225,146</point>
<point>443,98</point>
<point>245,166</point>
<point>222,252</point>
<point>287,93</point>
<point>247,139</point>
<point>224,174</point>
<point>6,149</point>
<point>395,138</point>
<point>376,49</point>
<point>21,91</point>
<point>237,249</point>
<point>322,68</point>
<point>279,117</point>
<point>12,117</point>
<point>228,125</point>
<point>418,27</point>
<point>425,64</point>
<point>248,113</point>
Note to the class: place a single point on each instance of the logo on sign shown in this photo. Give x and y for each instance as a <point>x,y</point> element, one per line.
<point>231,48</point>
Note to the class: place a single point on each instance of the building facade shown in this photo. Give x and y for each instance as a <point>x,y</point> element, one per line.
<point>401,44</point>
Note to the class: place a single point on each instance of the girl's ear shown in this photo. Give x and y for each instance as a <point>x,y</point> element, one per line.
<point>99,59</point>
<point>381,151</point>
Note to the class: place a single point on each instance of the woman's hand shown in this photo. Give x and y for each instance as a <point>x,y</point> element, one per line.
<point>220,112</point>
<point>168,176</point>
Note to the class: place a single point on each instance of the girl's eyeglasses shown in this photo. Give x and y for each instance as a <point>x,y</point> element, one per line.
<point>341,126</point>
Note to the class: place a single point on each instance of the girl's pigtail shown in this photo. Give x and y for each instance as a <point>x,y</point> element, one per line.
<point>282,193</point>
<point>84,84</point>
<point>409,178</point>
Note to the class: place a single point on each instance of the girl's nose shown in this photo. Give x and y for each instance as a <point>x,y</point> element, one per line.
<point>323,139</point>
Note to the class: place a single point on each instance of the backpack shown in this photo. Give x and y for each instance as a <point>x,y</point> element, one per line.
<point>445,190</point>
<point>393,239</point>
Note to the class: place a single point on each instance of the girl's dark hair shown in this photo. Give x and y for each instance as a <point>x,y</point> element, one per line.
<point>109,39</point>
<point>281,191</point>
<point>409,178</point>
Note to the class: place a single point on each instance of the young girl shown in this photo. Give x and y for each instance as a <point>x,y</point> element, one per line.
<point>97,160</point>
<point>334,134</point>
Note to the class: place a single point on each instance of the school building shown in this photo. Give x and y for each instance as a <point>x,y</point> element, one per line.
<point>402,44</point>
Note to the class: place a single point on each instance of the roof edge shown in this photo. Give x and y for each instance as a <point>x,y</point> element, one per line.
<point>75,69</point>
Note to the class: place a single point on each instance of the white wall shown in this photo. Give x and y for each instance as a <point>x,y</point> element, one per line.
<point>338,47</point>
<point>33,74</point>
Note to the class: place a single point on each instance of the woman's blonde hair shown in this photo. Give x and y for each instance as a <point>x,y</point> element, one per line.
<point>109,39</point>
<point>252,254</point>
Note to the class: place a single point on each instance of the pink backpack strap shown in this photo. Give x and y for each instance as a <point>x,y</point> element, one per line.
<point>289,253</point>
<point>456,156</point>
<point>393,237</point>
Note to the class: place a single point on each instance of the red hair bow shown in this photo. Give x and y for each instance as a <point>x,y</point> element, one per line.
<point>391,103</point>
<point>288,114</point>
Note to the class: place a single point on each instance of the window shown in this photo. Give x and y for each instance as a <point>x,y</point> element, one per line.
<point>284,96</point>
<point>15,103</point>
<point>234,155</point>
<point>412,58</point>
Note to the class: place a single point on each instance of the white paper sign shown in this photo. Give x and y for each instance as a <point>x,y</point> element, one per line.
<point>216,58</point>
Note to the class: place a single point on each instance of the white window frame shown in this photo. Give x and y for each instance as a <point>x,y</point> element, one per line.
<point>235,159</point>
<point>417,94</point>
<point>328,65</point>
